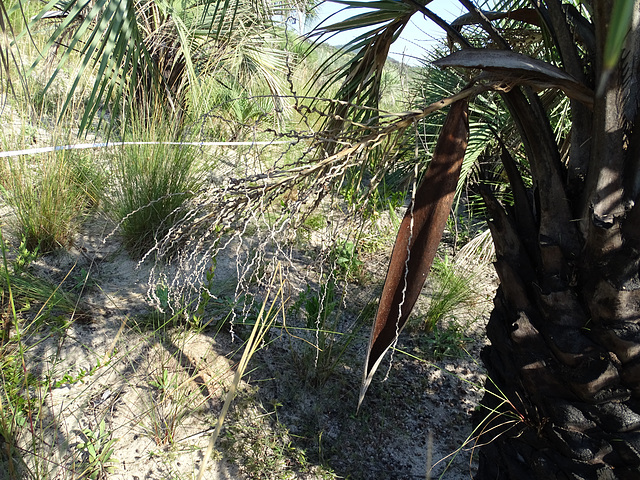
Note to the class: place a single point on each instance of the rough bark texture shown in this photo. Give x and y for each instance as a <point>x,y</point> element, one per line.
<point>565,371</point>
<point>563,399</point>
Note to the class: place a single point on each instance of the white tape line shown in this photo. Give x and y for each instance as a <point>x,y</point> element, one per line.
<point>82,146</point>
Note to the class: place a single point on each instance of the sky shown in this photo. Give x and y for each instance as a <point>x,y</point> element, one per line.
<point>414,40</point>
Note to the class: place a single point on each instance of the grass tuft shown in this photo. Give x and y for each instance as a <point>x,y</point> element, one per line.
<point>453,292</point>
<point>48,197</point>
<point>152,184</point>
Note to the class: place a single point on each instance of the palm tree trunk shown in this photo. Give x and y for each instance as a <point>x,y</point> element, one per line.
<point>559,404</point>
<point>563,389</point>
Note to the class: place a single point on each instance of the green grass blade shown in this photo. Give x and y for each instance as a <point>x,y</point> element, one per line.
<point>621,16</point>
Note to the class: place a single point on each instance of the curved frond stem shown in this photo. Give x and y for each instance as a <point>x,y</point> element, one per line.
<point>486,24</point>
<point>451,32</point>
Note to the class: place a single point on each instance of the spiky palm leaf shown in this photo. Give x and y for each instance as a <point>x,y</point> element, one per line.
<point>360,79</point>
<point>563,397</point>
<point>151,52</point>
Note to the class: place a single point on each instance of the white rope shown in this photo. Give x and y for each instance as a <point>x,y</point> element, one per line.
<point>84,146</point>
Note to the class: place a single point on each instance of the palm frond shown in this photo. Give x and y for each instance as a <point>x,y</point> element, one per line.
<point>108,38</point>
<point>418,239</point>
<point>144,50</point>
<point>621,17</point>
<point>361,74</point>
<point>518,69</point>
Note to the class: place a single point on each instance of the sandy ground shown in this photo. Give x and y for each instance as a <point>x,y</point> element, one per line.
<point>159,391</point>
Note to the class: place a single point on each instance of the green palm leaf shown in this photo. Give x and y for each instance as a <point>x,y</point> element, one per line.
<point>149,49</point>
<point>621,17</point>
<point>361,74</point>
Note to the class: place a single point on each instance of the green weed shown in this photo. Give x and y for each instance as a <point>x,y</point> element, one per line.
<point>205,293</point>
<point>170,404</point>
<point>24,257</point>
<point>97,453</point>
<point>318,355</point>
<point>345,257</point>
<point>67,378</point>
<point>446,341</point>
<point>313,223</point>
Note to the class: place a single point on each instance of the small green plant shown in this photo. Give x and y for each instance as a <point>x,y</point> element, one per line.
<point>168,407</point>
<point>163,382</point>
<point>319,354</point>
<point>446,341</point>
<point>82,281</point>
<point>205,293</point>
<point>312,223</point>
<point>316,221</point>
<point>168,313</point>
<point>453,290</point>
<point>97,452</point>
<point>68,378</point>
<point>162,296</point>
<point>345,256</point>
<point>24,257</point>
<point>388,196</point>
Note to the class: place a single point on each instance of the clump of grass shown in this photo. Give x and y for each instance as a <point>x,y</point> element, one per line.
<point>313,359</point>
<point>89,180</point>
<point>317,356</point>
<point>173,399</point>
<point>48,199</point>
<point>453,291</point>
<point>152,184</point>
<point>30,293</point>
<point>442,329</point>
